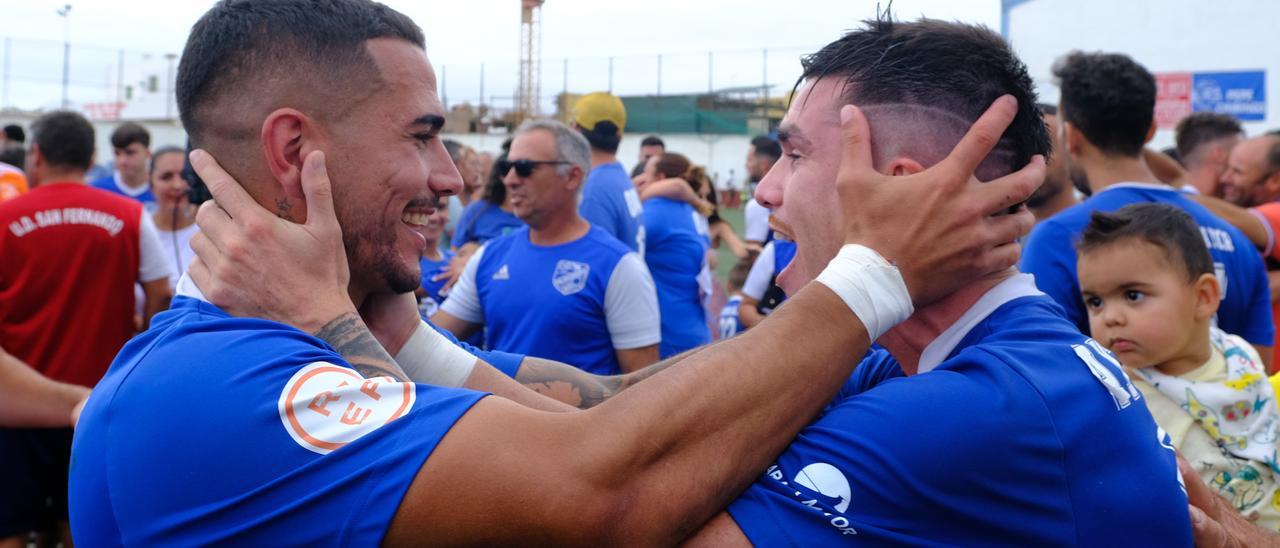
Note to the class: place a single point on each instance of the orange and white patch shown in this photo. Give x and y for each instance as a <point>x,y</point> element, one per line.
<point>325,406</point>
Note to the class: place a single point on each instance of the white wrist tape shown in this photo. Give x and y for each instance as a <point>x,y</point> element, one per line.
<point>430,358</point>
<point>870,286</point>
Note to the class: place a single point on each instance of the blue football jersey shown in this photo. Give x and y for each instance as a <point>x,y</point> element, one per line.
<point>549,301</point>
<point>730,320</point>
<point>1023,433</point>
<point>214,430</point>
<point>610,201</point>
<point>676,251</point>
<point>1050,256</point>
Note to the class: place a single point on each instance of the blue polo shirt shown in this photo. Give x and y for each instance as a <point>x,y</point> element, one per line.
<point>1017,430</point>
<point>676,245</point>
<point>610,201</point>
<point>1050,255</point>
<point>214,430</point>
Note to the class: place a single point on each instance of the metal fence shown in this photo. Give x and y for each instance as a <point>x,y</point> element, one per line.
<point>117,84</point>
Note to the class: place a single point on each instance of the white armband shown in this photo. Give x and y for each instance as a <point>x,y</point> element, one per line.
<point>431,358</point>
<point>870,286</point>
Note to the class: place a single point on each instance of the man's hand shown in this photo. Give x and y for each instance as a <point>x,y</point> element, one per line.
<point>251,263</point>
<point>960,228</point>
<point>1214,523</point>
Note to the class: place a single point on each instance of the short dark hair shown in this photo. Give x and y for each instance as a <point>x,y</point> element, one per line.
<point>1048,109</point>
<point>14,132</point>
<point>653,140</point>
<point>14,156</point>
<point>322,41</point>
<point>766,147</point>
<point>129,133</point>
<point>1162,225</point>
<point>738,274</point>
<point>1202,128</point>
<point>604,137</point>
<point>65,139</point>
<point>957,68</point>
<point>1109,98</point>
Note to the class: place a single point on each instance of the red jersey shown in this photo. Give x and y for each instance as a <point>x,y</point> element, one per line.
<point>68,261</point>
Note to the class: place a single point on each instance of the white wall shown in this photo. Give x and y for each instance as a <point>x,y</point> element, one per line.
<point>1163,35</point>
<point>719,153</point>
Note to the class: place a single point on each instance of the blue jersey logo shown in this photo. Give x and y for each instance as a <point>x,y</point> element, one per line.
<point>570,277</point>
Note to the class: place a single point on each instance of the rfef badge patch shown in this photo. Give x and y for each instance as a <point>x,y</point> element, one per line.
<point>326,406</point>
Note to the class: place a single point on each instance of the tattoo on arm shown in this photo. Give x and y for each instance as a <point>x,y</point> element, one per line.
<point>576,387</point>
<point>350,337</point>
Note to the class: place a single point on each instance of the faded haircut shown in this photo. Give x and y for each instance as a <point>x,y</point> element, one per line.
<point>313,49</point>
<point>934,72</point>
<point>1162,225</point>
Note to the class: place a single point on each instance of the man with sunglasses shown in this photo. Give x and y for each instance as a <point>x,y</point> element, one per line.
<point>561,288</point>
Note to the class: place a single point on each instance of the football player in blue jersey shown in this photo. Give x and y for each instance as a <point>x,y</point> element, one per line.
<point>287,422</point>
<point>987,418</point>
<point>1106,112</point>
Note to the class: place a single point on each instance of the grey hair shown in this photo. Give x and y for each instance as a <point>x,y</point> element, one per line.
<point>571,146</point>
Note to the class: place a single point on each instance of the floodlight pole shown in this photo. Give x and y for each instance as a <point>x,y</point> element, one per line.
<point>65,13</point>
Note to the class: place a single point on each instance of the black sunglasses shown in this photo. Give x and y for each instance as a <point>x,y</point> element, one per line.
<point>524,168</point>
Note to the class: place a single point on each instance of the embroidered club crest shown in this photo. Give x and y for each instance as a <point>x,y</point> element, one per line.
<point>570,277</point>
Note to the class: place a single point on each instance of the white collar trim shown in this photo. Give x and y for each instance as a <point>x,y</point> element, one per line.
<point>1017,286</point>
<point>128,190</point>
<point>187,288</point>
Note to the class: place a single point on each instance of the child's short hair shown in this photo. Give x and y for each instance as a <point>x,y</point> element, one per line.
<point>1162,225</point>
<point>738,274</point>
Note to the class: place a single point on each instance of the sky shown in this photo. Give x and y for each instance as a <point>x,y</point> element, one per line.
<point>462,35</point>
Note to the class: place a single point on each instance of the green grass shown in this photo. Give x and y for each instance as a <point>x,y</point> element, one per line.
<point>726,258</point>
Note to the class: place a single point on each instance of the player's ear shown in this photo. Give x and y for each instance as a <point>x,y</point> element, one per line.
<point>287,137</point>
<point>1208,293</point>
<point>1151,131</point>
<point>902,165</point>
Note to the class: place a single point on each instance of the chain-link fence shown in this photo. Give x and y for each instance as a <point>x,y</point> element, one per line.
<point>116,84</point>
<point>106,83</point>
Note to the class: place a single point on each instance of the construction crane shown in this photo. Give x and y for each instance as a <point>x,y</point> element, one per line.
<point>527,96</point>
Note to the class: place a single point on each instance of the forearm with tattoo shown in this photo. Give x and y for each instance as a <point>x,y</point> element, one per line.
<point>348,335</point>
<point>581,389</point>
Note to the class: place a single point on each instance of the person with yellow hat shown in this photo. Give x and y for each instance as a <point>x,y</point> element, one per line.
<point>609,200</point>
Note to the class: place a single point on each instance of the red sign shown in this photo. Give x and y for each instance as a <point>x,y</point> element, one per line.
<point>105,112</point>
<point>1173,98</point>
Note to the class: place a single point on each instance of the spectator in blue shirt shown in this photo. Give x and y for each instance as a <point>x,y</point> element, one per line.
<point>609,200</point>
<point>561,288</point>
<point>1107,115</point>
<point>132,145</point>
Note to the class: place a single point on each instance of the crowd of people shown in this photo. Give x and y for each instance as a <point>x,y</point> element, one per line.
<point>375,335</point>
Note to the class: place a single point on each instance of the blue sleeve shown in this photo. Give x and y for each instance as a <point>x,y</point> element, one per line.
<point>290,445</point>
<point>462,232</point>
<point>1257,325</point>
<point>1050,256</point>
<point>506,362</point>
